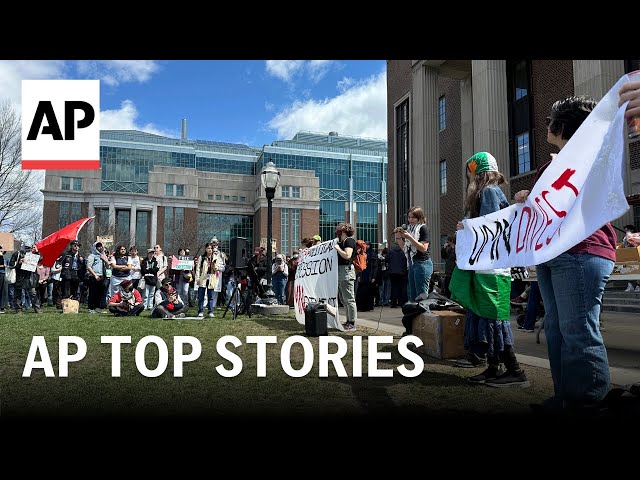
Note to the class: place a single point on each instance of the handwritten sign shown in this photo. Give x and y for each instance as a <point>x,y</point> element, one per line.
<point>106,240</point>
<point>263,244</point>
<point>317,281</point>
<point>30,262</point>
<point>580,191</point>
<point>181,263</point>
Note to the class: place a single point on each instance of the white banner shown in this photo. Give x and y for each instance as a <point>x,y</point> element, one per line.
<point>317,280</point>
<point>578,193</point>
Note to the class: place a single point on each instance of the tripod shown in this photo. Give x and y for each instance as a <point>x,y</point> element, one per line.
<point>236,297</point>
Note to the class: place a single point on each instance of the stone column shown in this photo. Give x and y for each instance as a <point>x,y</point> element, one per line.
<point>112,218</point>
<point>490,113</point>
<point>154,225</point>
<point>466,129</point>
<point>425,162</point>
<point>91,231</point>
<point>132,224</point>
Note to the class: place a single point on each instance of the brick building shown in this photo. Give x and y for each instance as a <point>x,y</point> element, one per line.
<point>179,192</point>
<point>440,112</point>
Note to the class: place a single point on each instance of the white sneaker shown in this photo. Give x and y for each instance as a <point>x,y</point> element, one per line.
<point>629,288</point>
<point>210,314</point>
<point>637,290</point>
<point>200,315</point>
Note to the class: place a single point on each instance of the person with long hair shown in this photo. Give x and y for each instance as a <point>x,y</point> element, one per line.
<point>417,241</point>
<point>572,285</point>
<point>121,268</point>
<point>487,331</point>
<point>207,278</point>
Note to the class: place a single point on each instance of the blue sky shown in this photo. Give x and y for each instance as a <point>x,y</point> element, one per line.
<point>251,102</point>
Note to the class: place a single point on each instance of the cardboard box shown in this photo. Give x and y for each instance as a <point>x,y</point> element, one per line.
<point>630,254</point>
<point>70,306</point>
<point>442,333</point>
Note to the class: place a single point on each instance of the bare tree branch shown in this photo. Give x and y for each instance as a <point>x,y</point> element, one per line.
<point>19,189</point>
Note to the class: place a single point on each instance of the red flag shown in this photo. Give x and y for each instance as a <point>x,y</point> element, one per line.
<point>52,247</point>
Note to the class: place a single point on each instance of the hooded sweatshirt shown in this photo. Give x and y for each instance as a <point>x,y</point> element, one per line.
<point>95,262</point>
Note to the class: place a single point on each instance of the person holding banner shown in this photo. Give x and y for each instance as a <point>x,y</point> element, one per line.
<point>572,285</point>
<point>485,294</point>
<point>346,273</point>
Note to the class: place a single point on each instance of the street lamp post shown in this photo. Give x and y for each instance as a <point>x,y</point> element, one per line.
<point>270,177</point>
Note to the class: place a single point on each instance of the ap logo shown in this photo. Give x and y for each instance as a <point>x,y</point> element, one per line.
<point>60,124</point>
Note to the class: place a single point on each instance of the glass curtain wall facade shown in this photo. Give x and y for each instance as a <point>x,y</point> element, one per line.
<point>350,169</point>
<point>126,169</point>
<point>224,227</point>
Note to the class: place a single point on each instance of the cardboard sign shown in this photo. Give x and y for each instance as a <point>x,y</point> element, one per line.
<point>106,241</point>
<point>30,262</point>
<point>181,263</point>
<point>263,244</point>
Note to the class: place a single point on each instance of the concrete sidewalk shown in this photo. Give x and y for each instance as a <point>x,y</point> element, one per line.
<point>621,336</point>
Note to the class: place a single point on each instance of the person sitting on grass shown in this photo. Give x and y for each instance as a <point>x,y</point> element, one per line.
<point>127,301</point>
<point>168,302</point>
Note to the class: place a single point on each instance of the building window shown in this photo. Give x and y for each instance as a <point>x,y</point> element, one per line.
<point>284,231</point>
<point>520,122</point>
<point>442,113</point>
<point>69,213</point>
<point>402,160</point>
<point>174,190</point>
<point>243,199</point>
<point>71,183</point>
<point>295,228</point>
<point>443,177</point>
<point>176,234</point>
<point>123,228</point>
<point>210,197</point>
<point>367,222</point>
<point>524,164</point>
<point>224,228</point>
<point>295,192</point>
<point>218,197</point>
<point>521,80</point>
<point>227,198</point>
<point>234,198</point>
<point>143,230</point>
<point>285,191</point>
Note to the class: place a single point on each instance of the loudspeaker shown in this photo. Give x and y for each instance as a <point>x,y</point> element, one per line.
<point>238,253</point>
<point>315,319</point>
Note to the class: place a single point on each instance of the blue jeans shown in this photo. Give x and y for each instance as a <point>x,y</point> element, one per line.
<point>385,289</point>
<point>572,285</point>
<point>533,303</point>
<point>279,284</point>
<point>212,298</point>
<point>419,278</point>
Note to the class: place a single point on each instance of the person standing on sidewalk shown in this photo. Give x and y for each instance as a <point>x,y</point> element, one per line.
<point>572,285</point>
<point>346,273</point>
<point>487,330</point>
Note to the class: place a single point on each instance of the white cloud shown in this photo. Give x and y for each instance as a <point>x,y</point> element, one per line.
<point>12,72</point>
<point>125,119</point>
<point>287,69</point>
<point>268,106</point>
<point>318,69</point>
<point>345,84</point>
<point>284,69</point>
<point>114,72</point>
<point>360,110</point>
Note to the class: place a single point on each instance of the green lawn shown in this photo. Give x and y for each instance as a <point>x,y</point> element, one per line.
<point>90,389</point>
